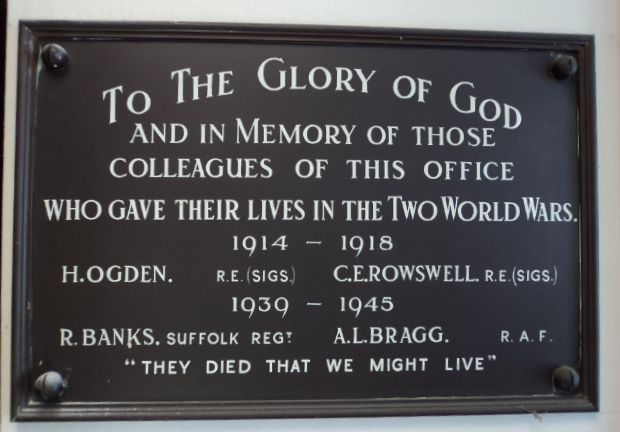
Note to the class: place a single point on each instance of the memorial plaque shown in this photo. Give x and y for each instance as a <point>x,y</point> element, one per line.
<point>244,222</point>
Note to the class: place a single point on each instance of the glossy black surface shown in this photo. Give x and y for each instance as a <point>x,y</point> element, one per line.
<point>563,66</point>
<point>54,57</point>
<point>67,153</point>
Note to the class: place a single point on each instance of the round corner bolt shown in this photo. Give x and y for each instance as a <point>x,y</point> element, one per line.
<point>50,386</point>
<point>54,57</point>
<point>563,67</point>
<point>565,380</point>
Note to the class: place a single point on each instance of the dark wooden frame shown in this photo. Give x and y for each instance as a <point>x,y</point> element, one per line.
<point>34,34</point>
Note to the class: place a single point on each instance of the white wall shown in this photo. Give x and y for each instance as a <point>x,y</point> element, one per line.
<point>600,17</point>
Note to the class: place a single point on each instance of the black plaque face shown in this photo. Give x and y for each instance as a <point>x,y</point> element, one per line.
<point>262,223</point>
